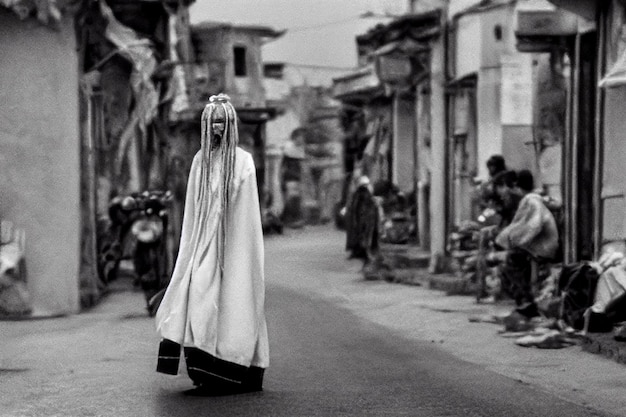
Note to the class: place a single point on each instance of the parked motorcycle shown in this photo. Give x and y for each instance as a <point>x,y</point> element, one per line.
<point>150,260</point>
<point>144,217</point>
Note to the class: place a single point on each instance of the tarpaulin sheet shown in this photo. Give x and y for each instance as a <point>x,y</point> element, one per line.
<point>177,90</point>
<point>140,53</point>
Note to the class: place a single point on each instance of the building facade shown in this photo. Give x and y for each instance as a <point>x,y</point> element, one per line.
<point>106,63</point>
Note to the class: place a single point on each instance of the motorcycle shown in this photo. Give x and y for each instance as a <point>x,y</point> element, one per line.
<point>150,260</point>
<point>144,217</point>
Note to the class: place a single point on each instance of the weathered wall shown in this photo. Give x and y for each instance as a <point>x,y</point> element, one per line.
<point>468,46</point>
<point>614,175</point>
<point>211,48</point>
<point>489,128</point>
<point>247,91</point>
<point>39,155</point>
<point>550,120</point>
<point>518,149</point>
<point>497,30</point>
<point>405,149</point>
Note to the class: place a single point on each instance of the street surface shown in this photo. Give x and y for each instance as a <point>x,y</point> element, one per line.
<point>339,347</point>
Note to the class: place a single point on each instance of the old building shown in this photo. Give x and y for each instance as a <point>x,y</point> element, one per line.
<point>229,58</point>
<point>40,153</point>
<point>296,91</point>
<point>106,63</point>
<point>399,89</point>
<point>594,154</point>
<point>561,45</point>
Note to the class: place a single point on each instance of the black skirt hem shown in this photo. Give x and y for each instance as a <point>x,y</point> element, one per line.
<point>207,370</point>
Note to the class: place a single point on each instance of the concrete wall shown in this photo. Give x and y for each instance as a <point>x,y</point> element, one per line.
<point>216,45</point>
<point>518,149</point>
<point>39,155</point>
<point>468,46</point>
<point>512,141</point>
<point>249,90</point>
<point>614,174</point>
<point>500,19</point>
<point>489,128</point>
<point>405,149</point>
<point>550,121</point>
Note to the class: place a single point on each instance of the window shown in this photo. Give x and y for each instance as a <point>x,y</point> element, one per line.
<point>240,61</point>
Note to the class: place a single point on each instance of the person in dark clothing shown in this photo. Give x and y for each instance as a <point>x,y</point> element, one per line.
<point>291,179</point>
<point>525,181</point>
<point>362,222</point>
<point>505,210</point>
<point>495,165</point>
<point>489,198</point>
<point>507,202</point>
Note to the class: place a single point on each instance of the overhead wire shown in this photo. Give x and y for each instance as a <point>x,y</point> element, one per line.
<point>332,23</point>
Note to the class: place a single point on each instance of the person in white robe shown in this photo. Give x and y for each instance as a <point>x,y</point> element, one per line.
<point>213,308</point>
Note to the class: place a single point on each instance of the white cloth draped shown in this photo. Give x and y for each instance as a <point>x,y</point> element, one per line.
<point>224,317</point>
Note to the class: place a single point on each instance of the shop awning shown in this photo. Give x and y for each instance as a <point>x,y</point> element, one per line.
<point>543,27</point>
<point>404,46</point>
<point>416,26</point>
<point>545,20</point>
<point>584,8</point>
<point>361,83</point>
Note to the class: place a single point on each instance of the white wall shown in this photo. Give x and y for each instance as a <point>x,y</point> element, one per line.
<point>489,129</point>
<point>39,155</point>
<point>468,46</point>
<point>614,174</point>
<point>405,148</point>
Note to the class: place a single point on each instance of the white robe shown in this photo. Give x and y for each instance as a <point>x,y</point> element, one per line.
<point>223,317</point>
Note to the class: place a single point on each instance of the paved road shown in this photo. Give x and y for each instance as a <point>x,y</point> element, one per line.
<point>325,361</point>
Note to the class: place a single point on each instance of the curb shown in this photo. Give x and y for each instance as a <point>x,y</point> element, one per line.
<point>603,344</point>
<point>408,265</point>
<point>403,266</point>
<point>448,283</point>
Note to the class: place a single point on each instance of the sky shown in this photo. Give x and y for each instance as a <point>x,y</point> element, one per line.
<point>319,32</point>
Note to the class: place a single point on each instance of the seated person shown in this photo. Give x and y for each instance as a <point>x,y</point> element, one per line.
<point>532,234</point>
<point>487,195</point>
<point>505,210</point>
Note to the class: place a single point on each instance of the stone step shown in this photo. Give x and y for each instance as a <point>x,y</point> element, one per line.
<point>405,256</point>
<point>451,284</point>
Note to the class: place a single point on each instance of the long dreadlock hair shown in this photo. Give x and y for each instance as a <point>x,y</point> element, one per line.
<point>216,177</point>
